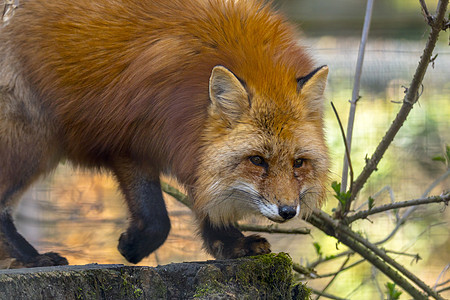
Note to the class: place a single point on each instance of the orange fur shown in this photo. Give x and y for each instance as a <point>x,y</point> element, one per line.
<point>113,82</point>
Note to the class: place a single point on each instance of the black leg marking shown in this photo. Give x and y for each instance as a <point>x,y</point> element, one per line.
<point>17,247</point>
<point>229,242</point>
<point>150,223</point>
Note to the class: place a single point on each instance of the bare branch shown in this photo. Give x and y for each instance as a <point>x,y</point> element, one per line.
<point>425,12</point>
<point>410,99</point>
<point>334,276</point>
<point>273,229</point>
<point>446,268</point>
<point>347,154</point>
<point>329,258</point>
<point>415,256</point>
<point>308,272</point>
<point>355,92</point>
<point>444,289</point>
<point>374,255</point>
<point>178,195</point>
<point>326,295</point>
<point>364,214</point>
<point>410,210</point>
<point>342,269</point>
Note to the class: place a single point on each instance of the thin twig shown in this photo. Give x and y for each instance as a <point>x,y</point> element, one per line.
<point>326,295</point>
<point>444,289</point>
<point>364,214</point>
<point>410,99</point>
<point>272,229</point>
<point>347,149</point>
<point>355,92</point>
<point>329,258</point>
<point>443,283</point>
<point>334,276</point>
<point>412,209</point>
<point>416,256</point>
<point>439,277</point>
<point>308,272</point>
<point>178,195</point>
<point>425,12</point>
<point>341,270</point>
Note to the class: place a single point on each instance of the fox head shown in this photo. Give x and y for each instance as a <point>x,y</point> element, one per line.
<point>263,152</point>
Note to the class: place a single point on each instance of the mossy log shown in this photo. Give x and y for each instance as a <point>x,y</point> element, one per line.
<point>261,277</point>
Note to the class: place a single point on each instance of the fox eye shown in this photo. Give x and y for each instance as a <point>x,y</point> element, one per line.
<point>298,163</point>
<point>258,161</point>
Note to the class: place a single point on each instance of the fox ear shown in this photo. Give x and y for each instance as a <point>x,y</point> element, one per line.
<point>227,93</point>
<point>311,87</point>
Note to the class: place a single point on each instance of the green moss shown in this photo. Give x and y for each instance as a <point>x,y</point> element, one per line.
<point>270,272</point>
<point>130,287</point>
<point>138,292</point>
<point>301,292</point>
<point>208,289</point>
<point>209,282</point>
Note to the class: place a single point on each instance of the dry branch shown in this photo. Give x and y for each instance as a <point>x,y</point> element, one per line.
<point>272,229</point>
<point>411,97</point>
<point>364,214</point>
<point>374,255</point>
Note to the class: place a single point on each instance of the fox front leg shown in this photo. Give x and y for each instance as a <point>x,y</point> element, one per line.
<point>228,242</point>
<point>149,221</point>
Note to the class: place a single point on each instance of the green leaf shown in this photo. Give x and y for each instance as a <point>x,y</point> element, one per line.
<point>336,187</point>
<point>328,257</point>
<point>342,197</point>
<point>438,158</point>
<point>318,248</point>
<point>371,203</point>
<point>392,292</point>
<point>443,158</point>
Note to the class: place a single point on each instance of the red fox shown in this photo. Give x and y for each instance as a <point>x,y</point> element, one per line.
<point>217,93</point>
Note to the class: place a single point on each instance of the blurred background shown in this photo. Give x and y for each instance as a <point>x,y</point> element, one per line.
<point>81,214</point>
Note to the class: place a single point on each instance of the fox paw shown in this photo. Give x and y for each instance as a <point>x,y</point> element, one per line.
<point>135,244</point>
<point>46,260</point>
<point>243,246</point>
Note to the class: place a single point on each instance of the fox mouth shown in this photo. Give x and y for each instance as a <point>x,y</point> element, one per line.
<point>279,221</point>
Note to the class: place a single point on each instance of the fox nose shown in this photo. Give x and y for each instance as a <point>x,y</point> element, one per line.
<point>287,212</point>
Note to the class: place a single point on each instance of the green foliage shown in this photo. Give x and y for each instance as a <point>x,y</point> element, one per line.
<point>342,197</point>
<point>138,293</point>
<point>392,292</point>
<point>371,202</point>
<point>318,248</point>
<point>443,158</point>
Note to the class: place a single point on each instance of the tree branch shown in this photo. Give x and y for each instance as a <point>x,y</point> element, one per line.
<point>326,295</point>
<point>178,195</point>
<point>343,269</point>
<point>355,95</point>
<point>425,12</point>
<point>348,159</point>
<point>309,272</point>
<point>272,229</point>
<point>360,245</point>
<point>411,97</point>
<point>364,214</point>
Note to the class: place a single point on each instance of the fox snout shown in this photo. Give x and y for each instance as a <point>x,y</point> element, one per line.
<point>279,213</point>
<point>287,212</point>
